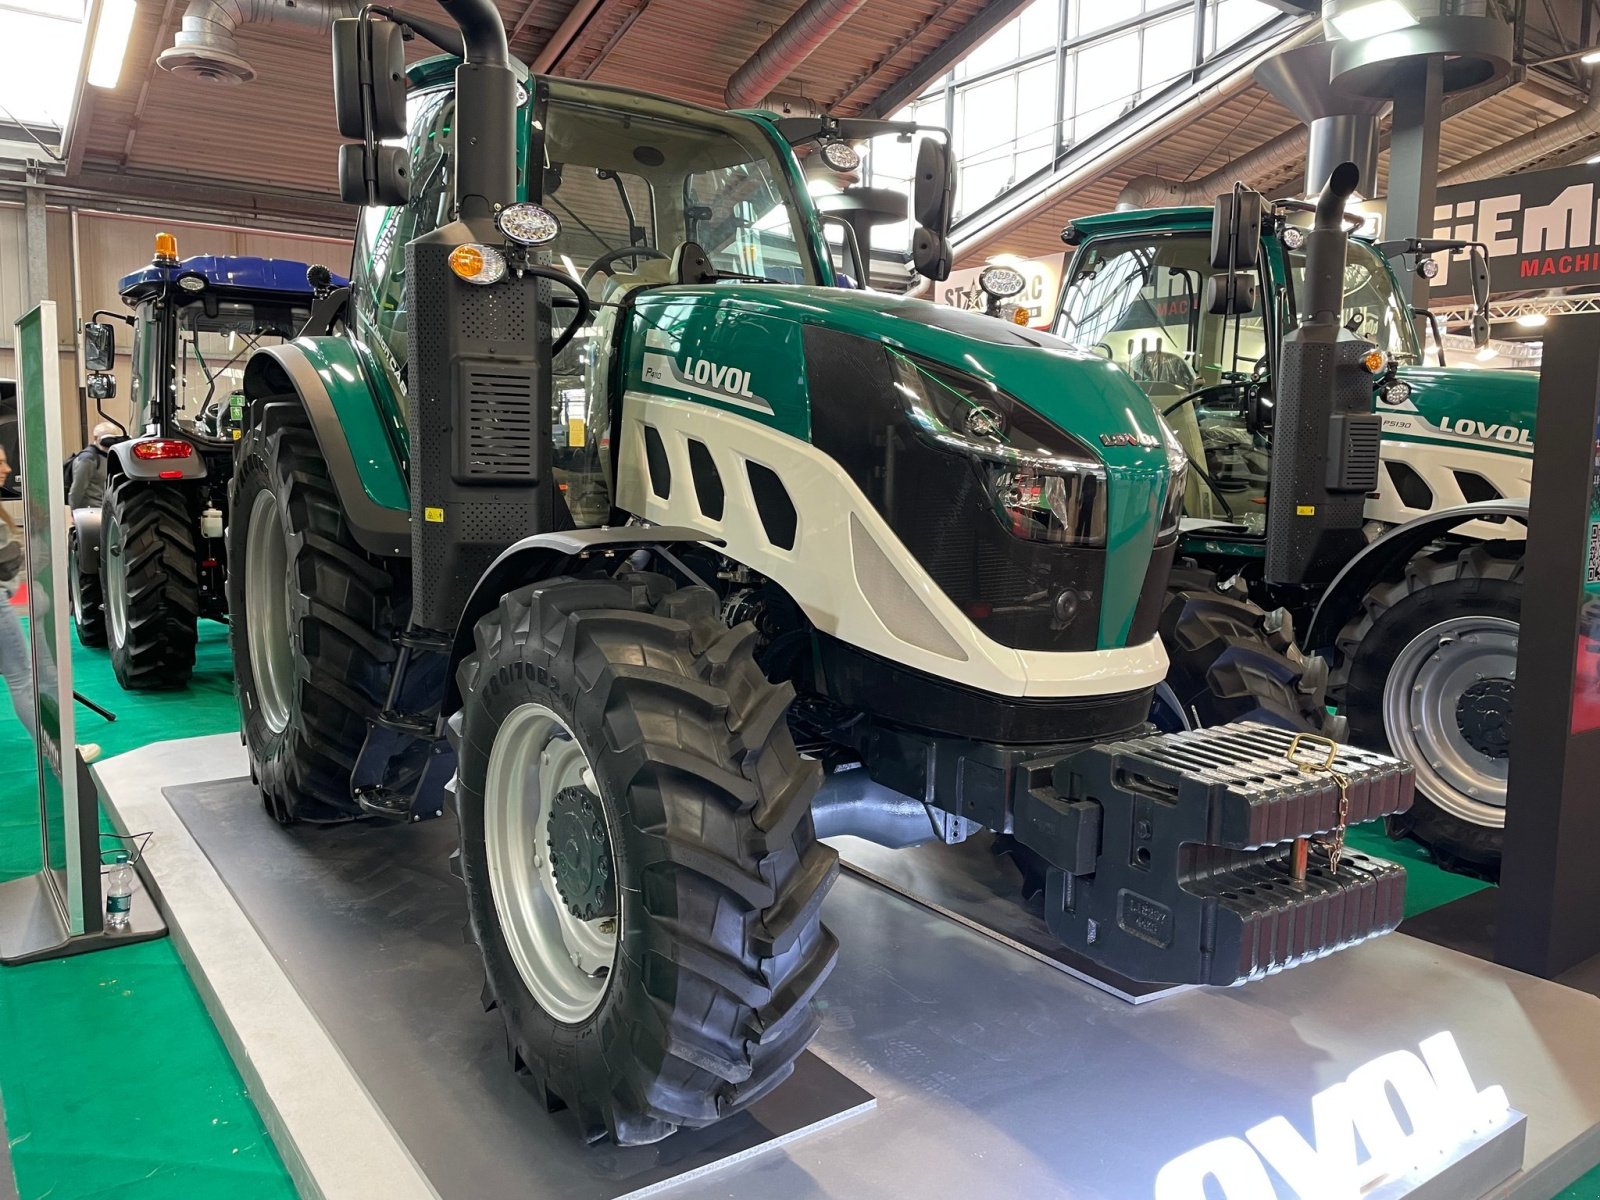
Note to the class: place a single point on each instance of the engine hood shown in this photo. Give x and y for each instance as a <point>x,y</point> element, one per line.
<point>1498,407</point>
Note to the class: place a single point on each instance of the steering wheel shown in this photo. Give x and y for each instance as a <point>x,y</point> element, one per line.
<point>603,263</point>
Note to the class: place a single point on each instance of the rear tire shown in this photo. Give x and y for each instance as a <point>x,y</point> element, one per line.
<point>88,605</point>
<point>1450,629</point>
<point>150,575</point>
<point>312,620</point>
<point>1228,660</point>
<point>713,868</point>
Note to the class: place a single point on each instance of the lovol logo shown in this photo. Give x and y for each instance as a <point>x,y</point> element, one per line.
<point>718,377</point>
<point>1440,1111</point>
<point>1467,427</point>
<point>1129,439</point>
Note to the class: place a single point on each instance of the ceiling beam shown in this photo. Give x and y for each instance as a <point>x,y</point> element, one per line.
<point>916,81</point>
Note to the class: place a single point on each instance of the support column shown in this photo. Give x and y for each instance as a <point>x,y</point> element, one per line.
<point>35,241</point>
<point>1414,159</point>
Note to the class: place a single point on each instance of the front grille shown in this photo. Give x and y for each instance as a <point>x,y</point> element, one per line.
<point>500,425</point>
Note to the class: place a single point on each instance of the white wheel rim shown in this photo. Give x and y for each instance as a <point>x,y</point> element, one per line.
<point>266,589</point>
<point>116,568</point>
<point>1430,677</point>
<point>564,960</point>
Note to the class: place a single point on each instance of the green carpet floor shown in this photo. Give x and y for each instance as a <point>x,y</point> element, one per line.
<point>115,1083</point>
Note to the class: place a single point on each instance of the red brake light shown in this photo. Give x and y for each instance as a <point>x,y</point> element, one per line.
<point>169,474</point>
<point>162,448</point>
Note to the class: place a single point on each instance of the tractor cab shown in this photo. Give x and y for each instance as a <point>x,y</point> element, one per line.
<point>194,322</point>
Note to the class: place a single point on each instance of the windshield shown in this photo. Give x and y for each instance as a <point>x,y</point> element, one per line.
<point>212,349</point>
<point>632,178</point>
<point>1373,309</point>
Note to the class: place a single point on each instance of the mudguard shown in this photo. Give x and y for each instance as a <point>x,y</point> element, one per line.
<point>358,425</point>
<point>543,556</point>
<point>86,527</point>
<point>1386,556</point>
<point>193,467</point>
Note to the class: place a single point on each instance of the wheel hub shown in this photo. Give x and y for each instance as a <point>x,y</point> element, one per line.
<point>580,855</point>
<point>1484,716</point>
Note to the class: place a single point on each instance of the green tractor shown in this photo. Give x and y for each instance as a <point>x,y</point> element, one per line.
<point>1416,604</point>
<point>615,523</point>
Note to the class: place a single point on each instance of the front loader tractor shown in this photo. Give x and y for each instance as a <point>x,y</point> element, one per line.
<point>149,562</point>
<point>618,526</point>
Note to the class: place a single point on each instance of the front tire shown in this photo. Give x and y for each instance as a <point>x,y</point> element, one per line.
<point>1229,660</point>
<point>655,962</point>
<point>1429,675</point>
<point>151,578</point>
<point>312,617</point>
<point>88,604</point>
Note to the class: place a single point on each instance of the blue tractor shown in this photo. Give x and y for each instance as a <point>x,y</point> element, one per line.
<point>150,561</point>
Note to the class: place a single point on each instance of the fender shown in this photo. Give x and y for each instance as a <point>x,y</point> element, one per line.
<point>359,429</point>
<point>86,528</point>
<point>123,462</point>
<point>543,556</point>
<point>1384,557</point>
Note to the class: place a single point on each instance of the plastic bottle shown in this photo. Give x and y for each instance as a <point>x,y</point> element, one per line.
<point>119,891</point>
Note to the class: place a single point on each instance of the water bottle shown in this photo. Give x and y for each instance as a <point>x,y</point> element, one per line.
<point>119,891</point>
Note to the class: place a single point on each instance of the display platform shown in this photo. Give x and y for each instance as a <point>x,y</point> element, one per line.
<point>971,884</point>
<point>994,1074</point>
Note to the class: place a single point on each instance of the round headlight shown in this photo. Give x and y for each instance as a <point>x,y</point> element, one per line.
<point>1397,392</point>
<point>1292,237</point>
<point>477,263</point>
<point>527,224</point>
<point>1001,281</point>
<point>841,156</point>
<point>1427,268</point>
<point>192,282</point>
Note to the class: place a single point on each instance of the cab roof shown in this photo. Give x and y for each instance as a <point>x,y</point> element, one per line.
<point>226,273</point>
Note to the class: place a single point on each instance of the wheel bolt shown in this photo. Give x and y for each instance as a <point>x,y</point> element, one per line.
<point>576,961</point>
<point>608,926</point>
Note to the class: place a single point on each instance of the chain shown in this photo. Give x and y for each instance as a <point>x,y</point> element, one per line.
<point>1333,844</point>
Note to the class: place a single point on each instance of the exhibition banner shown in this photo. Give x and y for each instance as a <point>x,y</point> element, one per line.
<point>1542,230</point>
<point>67,867</point>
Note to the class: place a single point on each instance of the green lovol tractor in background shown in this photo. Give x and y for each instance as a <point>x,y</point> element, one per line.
<point>1416,602</point>
<point>614,523</point>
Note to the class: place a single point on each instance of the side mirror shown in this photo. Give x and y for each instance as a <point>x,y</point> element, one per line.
<point>933,192</point>
<point>1480,330</point>
<point>99,346</point>
<point>1230,295</point>
<point>369,79</point>
<point>1480,278</point>
<point>374,174</point>
<point>101,387</point>
<point>1236,230</point>
<point>931,254</point>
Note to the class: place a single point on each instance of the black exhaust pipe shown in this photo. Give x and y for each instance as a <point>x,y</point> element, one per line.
<point>485,119</point>
<point>1325,434</point>
<point>1323,302</point>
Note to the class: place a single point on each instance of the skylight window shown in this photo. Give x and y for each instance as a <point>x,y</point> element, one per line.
<point>43,42</point>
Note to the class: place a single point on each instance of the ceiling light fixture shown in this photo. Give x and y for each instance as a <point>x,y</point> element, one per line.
<point>1592,56</point>
<point>1371,19</point>
<point>1533,320</point>
<point>111,33</point>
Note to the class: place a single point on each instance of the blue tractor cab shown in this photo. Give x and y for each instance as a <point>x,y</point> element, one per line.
<point>150,561</point>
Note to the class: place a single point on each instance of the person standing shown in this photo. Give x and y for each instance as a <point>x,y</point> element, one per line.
<point>88,485</point>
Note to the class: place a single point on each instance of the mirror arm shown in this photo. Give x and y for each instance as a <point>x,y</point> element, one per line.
<point>126,318</point>
<point>1433,324</point>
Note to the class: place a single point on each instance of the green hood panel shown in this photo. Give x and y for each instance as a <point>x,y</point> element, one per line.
<point>1495,407</point>
<point>740,348</point>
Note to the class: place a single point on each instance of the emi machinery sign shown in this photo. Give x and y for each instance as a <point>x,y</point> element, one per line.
<point>1542,230</point>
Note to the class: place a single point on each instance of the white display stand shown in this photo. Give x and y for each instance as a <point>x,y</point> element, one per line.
<point>994,1074</point>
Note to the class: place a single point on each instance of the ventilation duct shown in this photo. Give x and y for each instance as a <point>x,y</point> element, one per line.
<point>794,42</point>
<point>1343,125</point>
<point>205,49</point>
<point>1530,148</point>
<point>1151,191</point>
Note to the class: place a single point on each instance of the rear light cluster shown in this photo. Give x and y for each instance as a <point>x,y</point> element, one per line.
<point>162,448</point>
